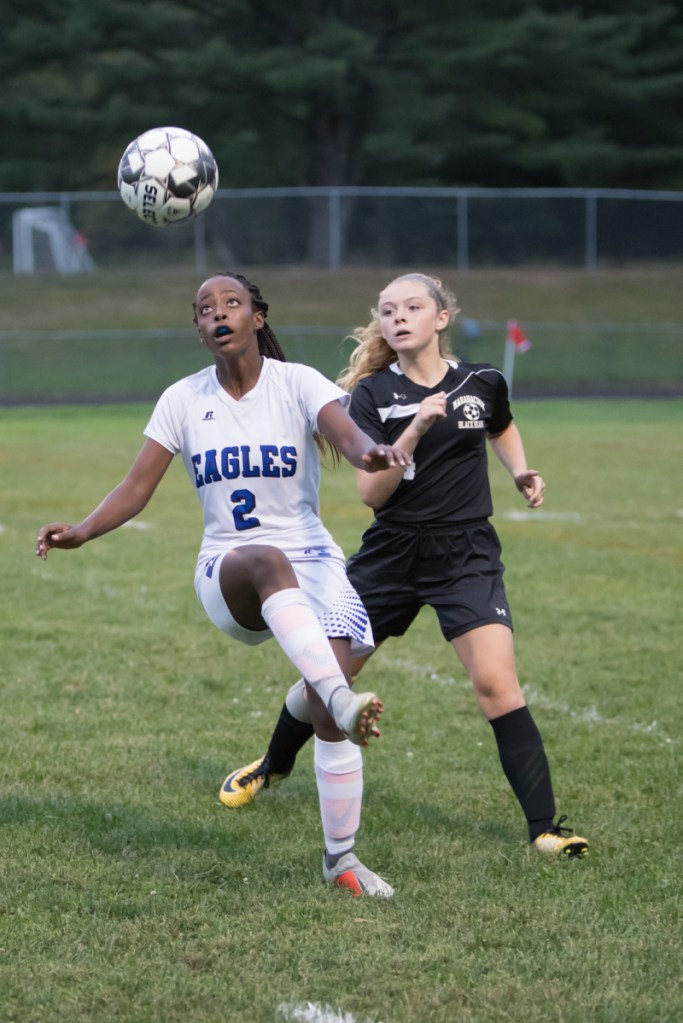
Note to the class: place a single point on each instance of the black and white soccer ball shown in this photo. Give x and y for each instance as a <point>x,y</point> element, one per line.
<point>167,176</point>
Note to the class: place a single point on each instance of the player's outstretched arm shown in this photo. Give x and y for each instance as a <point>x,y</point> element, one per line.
<point>124,502</point>
<point>509,449</point>
<point>335,423</point>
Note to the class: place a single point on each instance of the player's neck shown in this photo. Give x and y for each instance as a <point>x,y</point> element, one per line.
<point>424,368</point>
<point>238,376</point>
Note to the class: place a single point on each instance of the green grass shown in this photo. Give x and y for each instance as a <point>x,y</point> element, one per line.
<point>609,332</point>
<point>129,894</point>
<point>154,299</point>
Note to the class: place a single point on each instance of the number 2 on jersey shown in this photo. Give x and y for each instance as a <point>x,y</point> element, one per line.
<point>244,502</point>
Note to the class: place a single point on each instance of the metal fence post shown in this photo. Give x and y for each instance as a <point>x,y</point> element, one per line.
<point>591,231</point>
<point>463,232</point>
<point>334,230</point>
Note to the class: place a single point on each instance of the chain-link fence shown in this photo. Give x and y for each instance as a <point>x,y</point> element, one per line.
<point>336,227</point>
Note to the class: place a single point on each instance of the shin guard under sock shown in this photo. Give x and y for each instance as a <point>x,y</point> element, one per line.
<point>525,765</point>
<point>339,775</point>
<point>291,619</point>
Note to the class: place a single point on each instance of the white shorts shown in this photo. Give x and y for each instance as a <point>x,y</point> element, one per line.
<point>336,604</point>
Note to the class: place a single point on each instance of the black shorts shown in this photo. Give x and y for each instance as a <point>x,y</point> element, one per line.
<point>454,569</point>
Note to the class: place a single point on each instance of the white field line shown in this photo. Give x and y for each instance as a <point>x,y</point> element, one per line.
<point>519,515</point>
<point>592,715</point>
<point>309,1012</point>
<point>541,515</point>
<point>421,671</point>
<point>589,715</point>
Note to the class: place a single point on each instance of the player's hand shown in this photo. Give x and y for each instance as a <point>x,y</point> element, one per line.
<point>385,456</point>
<point>532,485</point>
<point>431,409</point>
<point>57,534</point>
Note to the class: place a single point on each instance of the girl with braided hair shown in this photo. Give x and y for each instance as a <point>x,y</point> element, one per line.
<point>250,429</point>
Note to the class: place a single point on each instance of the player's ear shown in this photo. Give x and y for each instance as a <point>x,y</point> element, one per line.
<point>259,319</point>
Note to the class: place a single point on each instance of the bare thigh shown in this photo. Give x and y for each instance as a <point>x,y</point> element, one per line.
<point>488,656</point>
<point>248,576</point>
<point>358,661</point>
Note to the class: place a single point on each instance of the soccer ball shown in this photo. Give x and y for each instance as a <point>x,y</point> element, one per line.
<point>167,176</point>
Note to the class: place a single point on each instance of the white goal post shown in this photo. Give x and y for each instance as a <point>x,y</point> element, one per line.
<point>68,248</point>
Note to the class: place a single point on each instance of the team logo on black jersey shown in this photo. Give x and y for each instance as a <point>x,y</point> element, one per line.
<point>472,409</point>
<point>396,396</point>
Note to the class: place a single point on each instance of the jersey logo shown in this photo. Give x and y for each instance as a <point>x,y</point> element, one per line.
<point>472,401</point>
<point>210,566</point>
<point>208,415</point>
<point>396,396</point>
<point>231,463</point>
<point>472,409</point>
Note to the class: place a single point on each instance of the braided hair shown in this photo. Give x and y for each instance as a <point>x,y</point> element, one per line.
<point>269,347</point>
<point>268,344</point>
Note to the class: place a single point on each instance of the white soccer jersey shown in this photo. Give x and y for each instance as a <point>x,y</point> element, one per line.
<point>253,463</point>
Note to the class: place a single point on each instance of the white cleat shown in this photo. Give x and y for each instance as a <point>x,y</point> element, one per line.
<point>350,873</point>
<point>356,714</point>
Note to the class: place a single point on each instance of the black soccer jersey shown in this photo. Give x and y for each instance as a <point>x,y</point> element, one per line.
<point>448,481</point>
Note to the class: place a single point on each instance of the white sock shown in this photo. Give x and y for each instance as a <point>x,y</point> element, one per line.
<point>298,706</point>
<point>292,621</point>
<point>339,774</point>
<point>296,702</point>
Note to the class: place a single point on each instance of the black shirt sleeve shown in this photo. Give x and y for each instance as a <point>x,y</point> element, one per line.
<point>364,413</point>
<point>501,416</point>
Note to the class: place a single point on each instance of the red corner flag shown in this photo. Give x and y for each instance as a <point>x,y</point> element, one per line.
<point>517,337</point>
<point>516,341</point>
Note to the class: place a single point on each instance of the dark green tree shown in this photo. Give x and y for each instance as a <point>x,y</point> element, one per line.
<point>327,92</point>
<point>556,95</point>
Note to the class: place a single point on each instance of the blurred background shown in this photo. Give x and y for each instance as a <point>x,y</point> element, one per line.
<point>496,143</point>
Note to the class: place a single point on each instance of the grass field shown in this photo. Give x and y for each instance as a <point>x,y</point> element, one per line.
<point>124,333</point>
<point>162,298</point>
<point>129,894</point>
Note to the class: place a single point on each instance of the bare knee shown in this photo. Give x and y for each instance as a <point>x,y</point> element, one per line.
<point>498,695</point>
<point>487,654</point>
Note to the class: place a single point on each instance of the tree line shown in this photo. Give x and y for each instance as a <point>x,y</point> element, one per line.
<point>498,93</point>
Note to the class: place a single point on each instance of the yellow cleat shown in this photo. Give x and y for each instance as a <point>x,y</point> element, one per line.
<point>240,787</point>
<point>560,841</point>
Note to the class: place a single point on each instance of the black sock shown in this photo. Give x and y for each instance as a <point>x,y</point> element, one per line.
<point>289,735</point>
<point>524,762</point>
